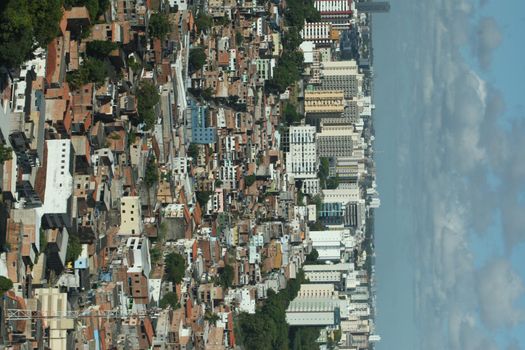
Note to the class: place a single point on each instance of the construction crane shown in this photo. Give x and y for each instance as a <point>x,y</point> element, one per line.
<point>25,314</point>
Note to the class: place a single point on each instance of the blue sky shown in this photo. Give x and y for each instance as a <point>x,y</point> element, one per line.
<point>450,131</point>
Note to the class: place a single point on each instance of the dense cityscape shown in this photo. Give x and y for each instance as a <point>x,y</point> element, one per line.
<point>187,175</point>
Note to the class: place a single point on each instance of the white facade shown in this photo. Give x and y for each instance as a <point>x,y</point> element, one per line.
<point>335,141</point>
<point>317,32</point>
<point>331,243</point>
<point>302,162</point>
<point>59,184</point>
<point>130,216</point>
<point>138,253</point>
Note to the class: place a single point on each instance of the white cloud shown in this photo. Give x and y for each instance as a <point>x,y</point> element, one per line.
<point>498,288</point>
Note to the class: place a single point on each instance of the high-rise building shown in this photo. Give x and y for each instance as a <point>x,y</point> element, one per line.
<point>372,6</point>
<point>335,141</point>
<point>320,33</point>
<point>336,12</point>
<point>301,161</point>
<point>341,75</point>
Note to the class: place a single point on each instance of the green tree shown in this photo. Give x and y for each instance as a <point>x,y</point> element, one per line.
<point>100,48</point>
<point>148,97</point>
<point>239,38</point>
<point>16,32</point>
<point>5,285</point>
<point>226,276</point>
<point>292,39</point>
<point>175,267</point>
<point>203,197</point>
<point>96,8</point>
<point>91,70</point>
<point>249,180</point>
<point>193,151</point>
<point>203,22</point>
<point>317,226</point>
<point>312,257</point>
<point>159,25</point>
<point>46,16</point>
<point>169,299</point>
<point>155,255</point>
<point>74,248</point>
<point>151,174</point>
<point>290,114</point>
<point>332,182</point>
<point>6,153</point>
<point>211,317</point>
<point>197,58</point>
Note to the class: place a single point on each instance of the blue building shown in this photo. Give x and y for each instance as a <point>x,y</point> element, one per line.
<point>201,133</point>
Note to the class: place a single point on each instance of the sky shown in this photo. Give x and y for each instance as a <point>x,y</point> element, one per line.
<point>450,153</point>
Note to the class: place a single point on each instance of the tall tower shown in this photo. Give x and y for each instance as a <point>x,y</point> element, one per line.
<point>372,6</point>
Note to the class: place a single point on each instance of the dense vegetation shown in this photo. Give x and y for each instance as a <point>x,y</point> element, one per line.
<point>175,267</point>
<point>159,26</point>
<point>203,22</point>
<point>91,70</point>
<point>312,257</point>
<point>151,175</point>
<point>197,58</point>
<point>100,49</point>
<point>169,299</point>
<point>5,285</point>
<point>148,97</point>
<point>267,328</point>
<point>74,248</point>
<point>290,114</point>
<point>96,8</point>
<point>290,64</point>
<point>203,197</point>
<point>25,25</point>
<point>249,180</point>
<point>226,276</point>
<point>5,153</point>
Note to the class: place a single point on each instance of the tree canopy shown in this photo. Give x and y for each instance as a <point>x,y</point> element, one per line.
<point>74,248</point>
<point>100,48</point>
<point>249,180</point>
<point>193,150</point>
<point>226,276</point>
<point>175,267</point>
<point>203,22</point>
<point>19,25</point>
<point>6,153</point>
<point>148,97</point>
<point>203,197</point>
<point>170,299</point>
<point>197,58</point>
<point>312,257</point>
<point>151,175</point>
<point>290,114</point>
<point>5,285</point>
<point>92,70</point>
<point>96,8</point>
<point>267,328</point>
<point>159,25</point>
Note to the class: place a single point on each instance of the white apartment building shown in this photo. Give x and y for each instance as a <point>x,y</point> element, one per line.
<point>335,141</point>
<point>56,209</point>
<point>349,193</point>
<point>138,255</point>
<point>130,216</point>
<point>317,32</point>
<point>327,273</point>
<point>342,75</point>
<point>316,305</point>
<point>301,161</point>
<point>330,244</point>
